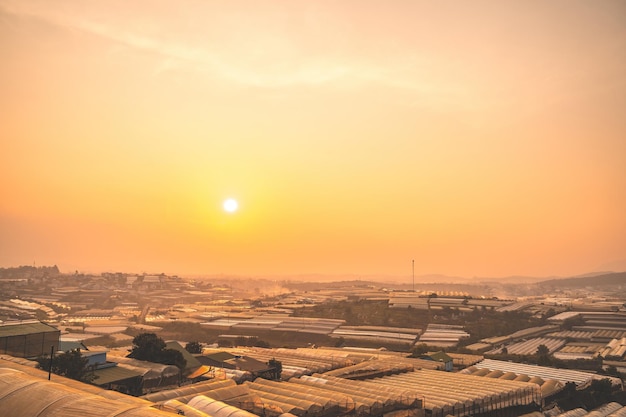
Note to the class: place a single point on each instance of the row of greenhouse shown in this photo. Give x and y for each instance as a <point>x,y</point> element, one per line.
<point>331,327</point>
<point>439,393</point>
<point>578,343</point>
<point>400,384</point>
<point>561,348</point>
<point>26,391</point>
<point>612,409</point>
<point>529,347</point>
<point>275,323</point>
<point>443,335</point>
<point>545,373</point>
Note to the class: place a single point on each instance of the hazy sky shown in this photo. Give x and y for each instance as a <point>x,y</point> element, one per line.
<point>482,138</point>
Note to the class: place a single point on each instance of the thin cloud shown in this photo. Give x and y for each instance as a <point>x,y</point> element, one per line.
<point>314,71</point>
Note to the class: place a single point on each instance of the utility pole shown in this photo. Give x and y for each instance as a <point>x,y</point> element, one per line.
<point>51,357</point>
<point>413,273</point>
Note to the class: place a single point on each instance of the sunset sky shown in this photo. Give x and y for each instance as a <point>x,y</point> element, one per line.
<point>479,138</point>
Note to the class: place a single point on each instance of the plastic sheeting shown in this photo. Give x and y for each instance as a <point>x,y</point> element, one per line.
<point>216,408</point>
<point>199,388</point>
<point>330,404</point>
<point>24,394</point>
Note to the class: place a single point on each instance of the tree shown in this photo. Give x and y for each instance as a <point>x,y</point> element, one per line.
<point>70,364</point>
<point>149,347</point>
<point>419,350</point>
<point>599,392</point>
<point>224,343</point>
<point>543,355</point>
<point>172,357</point>
<point>193,347</point>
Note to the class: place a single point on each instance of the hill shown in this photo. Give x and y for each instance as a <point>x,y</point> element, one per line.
<point>602,280</point>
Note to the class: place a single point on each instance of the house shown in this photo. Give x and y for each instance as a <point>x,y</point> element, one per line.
<point>225,360</point>
<point>194,369</point>
<point>441,357</point>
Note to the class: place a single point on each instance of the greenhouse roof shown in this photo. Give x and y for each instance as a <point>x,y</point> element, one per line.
<point>114,374</point>
<point>24,328</point>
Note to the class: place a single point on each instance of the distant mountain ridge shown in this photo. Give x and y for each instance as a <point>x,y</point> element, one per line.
<point>612,278</point>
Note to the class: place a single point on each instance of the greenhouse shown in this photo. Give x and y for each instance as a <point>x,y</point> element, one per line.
<point>616,349</point>
<point>383,366</point>
<point>618,413</point>
<point>544,373</point>
<point>185,410</point>
<point>154,375</point>
<point>548,387</point>
<point>576,412</point>
<point>198,388</point>
<point>364,403</point>
<point>330,405</point>
<point>605,410</point>
<point>216,408</point>
<point>612,409</point>
<point>529,347</point>
<point>455,394</point>
<point>33,395</point>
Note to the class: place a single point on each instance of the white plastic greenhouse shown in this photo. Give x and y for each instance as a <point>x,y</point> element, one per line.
<point>460,394</point>
<point>618,413</point>
<point>576,412</point>
<point>605,410</point>
<point>198,388</point>
<point>216,408</point>
<point>33,395</point>
<point>542,373</point>
<point>331,405</point>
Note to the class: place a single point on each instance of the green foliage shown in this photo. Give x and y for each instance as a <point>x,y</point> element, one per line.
<point>251,341</point>
<point>180,330</point>
<point>599,392</point>
<point>543,356</point>
<point>483,323</point>
<point>224,343</point>
<point>149,347</point>
<point>172,357</point>
<point>479,322</point>
<point>193,347</point>
<point>420,349</point>
<point>366,313</point>
<point>70,364</point>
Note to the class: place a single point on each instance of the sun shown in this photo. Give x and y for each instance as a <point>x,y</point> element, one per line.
<point>230,205</point>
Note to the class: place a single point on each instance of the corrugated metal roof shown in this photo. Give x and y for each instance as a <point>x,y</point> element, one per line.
<point>192,362</point>
<point>219,356</point>
<point>24,328</point>
<point>113,374</point>
<point>203,369</point>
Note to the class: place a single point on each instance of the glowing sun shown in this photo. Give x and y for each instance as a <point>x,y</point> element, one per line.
<point>230,205</point>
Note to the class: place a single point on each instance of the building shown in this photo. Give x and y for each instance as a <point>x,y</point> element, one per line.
<point>28,339</point>
<point>441,357</point>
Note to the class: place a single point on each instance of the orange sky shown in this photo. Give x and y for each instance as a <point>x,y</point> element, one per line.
<point>479,138</point>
